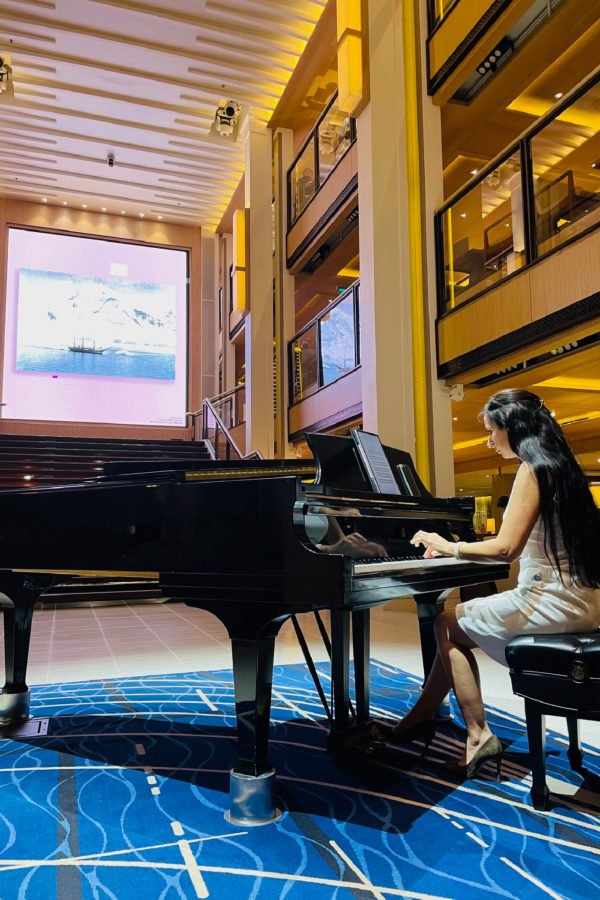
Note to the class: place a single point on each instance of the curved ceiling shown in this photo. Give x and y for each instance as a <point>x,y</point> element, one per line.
<point>142,81</point>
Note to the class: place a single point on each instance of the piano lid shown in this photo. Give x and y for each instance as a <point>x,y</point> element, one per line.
<point>339,465</point>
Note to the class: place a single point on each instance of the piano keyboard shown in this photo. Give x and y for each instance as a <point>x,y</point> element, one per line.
<point>383,566</point>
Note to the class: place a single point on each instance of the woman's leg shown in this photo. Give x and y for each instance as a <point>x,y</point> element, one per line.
<point>455,650</point>
<point>454,667</point>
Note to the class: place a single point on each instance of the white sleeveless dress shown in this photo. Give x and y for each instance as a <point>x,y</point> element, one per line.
<point>540,603</point>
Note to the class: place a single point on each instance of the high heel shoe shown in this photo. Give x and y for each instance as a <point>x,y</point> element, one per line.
<point>422,731</point>
<point>491,751</point>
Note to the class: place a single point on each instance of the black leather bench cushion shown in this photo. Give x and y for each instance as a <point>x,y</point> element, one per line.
<point>560,670</point>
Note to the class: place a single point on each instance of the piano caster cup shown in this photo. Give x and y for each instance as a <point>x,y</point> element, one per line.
<point>252,799</point>
<point>14,707</point>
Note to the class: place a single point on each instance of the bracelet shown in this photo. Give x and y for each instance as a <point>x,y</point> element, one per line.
<point>456,549</point>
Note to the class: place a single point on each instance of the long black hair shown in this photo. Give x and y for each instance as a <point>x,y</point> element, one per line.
<point>566,502</point>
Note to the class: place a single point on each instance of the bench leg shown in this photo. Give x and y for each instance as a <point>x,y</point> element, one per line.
<point>536,734</point>
<point>574,752</point>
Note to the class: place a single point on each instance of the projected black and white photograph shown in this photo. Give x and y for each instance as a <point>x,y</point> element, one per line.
<point>89,325</point>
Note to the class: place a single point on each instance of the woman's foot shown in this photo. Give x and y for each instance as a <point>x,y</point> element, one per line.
<point>489,751</point>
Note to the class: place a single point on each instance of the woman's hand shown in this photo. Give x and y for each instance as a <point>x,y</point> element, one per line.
<point>434,544</point>
<point>357,546</point>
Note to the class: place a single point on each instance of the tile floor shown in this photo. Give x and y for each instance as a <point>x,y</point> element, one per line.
<point>77,643</point>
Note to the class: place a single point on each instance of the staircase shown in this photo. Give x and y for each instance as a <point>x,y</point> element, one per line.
<point>36,460</point>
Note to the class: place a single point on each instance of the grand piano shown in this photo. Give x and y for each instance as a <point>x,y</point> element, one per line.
<point>254,542</point>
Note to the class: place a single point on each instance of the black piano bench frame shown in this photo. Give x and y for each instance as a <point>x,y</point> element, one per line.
<point>557,675</point>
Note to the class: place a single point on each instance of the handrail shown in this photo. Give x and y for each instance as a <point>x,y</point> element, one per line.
<point>210,412</point>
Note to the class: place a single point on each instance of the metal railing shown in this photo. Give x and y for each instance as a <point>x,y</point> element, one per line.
<point>214,422</point>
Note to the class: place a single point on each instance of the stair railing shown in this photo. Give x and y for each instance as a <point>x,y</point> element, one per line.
<point>218,416</point>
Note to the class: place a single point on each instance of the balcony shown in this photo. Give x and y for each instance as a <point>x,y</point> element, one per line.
<point>539,201</point>
<point>318,182</point>
<point>324,363</point>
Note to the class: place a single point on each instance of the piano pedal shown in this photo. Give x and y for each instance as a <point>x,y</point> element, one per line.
<point>358,740</point>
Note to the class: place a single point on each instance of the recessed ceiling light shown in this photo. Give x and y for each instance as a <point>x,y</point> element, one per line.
<point>455,418</point>
<point>65,203</point>
<point>558,96</point>
<point>103,209</point>
<point>474,171</point>
<point>44,199</point>
<point>84,205</point>
<point>122,212</point>
<point>141,215</point>
<point>160,218</point>
<point>463,215</point>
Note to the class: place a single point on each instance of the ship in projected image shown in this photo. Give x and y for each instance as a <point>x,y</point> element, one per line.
<point>85,345</point>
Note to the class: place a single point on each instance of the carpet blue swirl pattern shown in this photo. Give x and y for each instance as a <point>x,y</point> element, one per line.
<point>125,797</point>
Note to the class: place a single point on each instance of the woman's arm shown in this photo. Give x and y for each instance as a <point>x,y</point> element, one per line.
<point>519,518</point>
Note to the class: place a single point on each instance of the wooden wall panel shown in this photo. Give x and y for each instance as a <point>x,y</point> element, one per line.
<point>340,395</point>
<point>325,197</point>
<point>485,319</point>
<point>566,276</point>
<point>453,30</point>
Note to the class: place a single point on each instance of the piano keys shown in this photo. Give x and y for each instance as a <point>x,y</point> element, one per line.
<point>238,539</point>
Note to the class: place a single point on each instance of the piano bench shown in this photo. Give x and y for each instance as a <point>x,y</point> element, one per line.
<point>557,675</point>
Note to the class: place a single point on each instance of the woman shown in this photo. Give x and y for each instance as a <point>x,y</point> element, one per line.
<point>551,523</point>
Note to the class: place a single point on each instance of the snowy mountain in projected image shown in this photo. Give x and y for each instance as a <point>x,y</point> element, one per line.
<point>89,325</point>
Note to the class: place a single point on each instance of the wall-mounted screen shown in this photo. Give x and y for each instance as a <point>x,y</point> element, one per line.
<point>95,331</point>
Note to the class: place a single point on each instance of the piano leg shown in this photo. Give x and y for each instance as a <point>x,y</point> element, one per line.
<point>15,695</point>
<point>340,678</point>
<point>361,645</point>
<point>350,730</point>
<point>252,779</point>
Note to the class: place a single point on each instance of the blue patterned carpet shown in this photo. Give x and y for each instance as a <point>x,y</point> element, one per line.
<point>126,794</point>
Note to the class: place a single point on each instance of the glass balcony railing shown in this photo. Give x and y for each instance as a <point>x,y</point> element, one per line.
<point>543,192</point>
<point>327,143</point>
<point>327,348</point>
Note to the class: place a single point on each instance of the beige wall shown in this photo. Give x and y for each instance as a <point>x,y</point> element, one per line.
<point>83,222</point>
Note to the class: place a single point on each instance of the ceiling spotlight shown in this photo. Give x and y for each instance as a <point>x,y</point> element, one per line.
<point>558,96</point>
<point>226,117</point>
<point>5,72</point>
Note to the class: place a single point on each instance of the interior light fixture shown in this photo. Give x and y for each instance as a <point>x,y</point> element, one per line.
<point>558,96</point>
<point>5,73</point>
<point>227,117</point>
